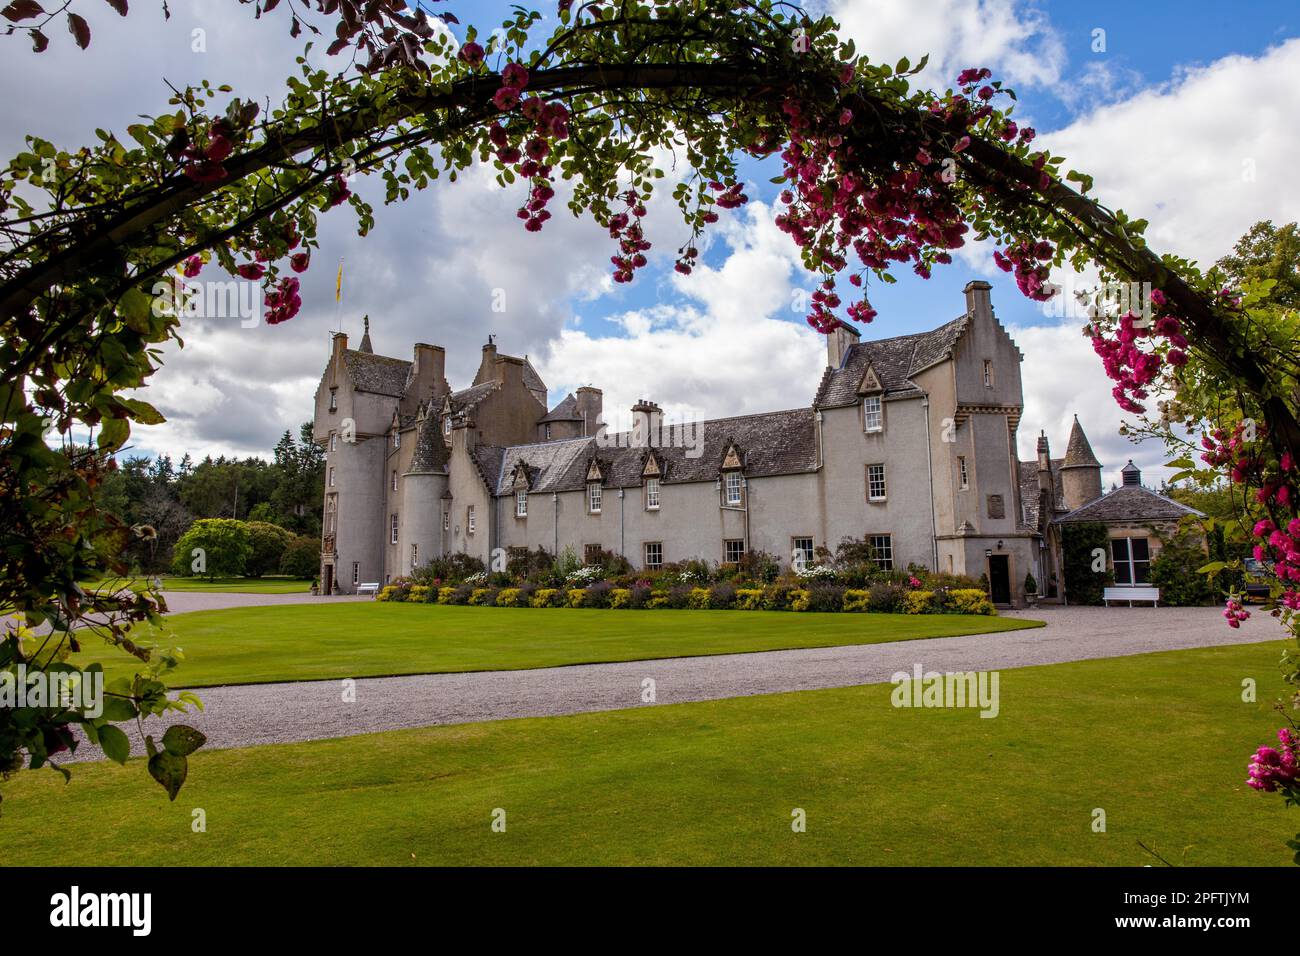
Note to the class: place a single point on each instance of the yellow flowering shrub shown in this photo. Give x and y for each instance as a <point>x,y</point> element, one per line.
<point>749,599</point>
<point>918,602</point>
<point>444,594</point>
<point>969,601</point>
<point>480,596</point>
<point>386,594</point>
<point>575,597</point>
<point>799,600</point>
<point>698,599</point>
<point>542,597</point>
<point>508,597</point>
<point>657,599</point>
<point>418,594</point>
<point>856,599</point>
<point>619,597</point>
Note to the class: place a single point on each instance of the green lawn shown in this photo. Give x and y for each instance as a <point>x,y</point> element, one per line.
<point>266,585</point>
<point>365,639</point>
<point>1160,742</point>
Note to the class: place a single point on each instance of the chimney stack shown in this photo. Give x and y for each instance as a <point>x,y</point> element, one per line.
<point>839,342</point>
<point>978,300</point>
<point>647,419</point>
<point>591,403</point>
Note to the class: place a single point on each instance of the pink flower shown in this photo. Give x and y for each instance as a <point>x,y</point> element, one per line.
<point>300,262</point>
<point>193,266</point>
<point>846,117</point>
<point>506,98</point>
<point>514,77</point>
<point>251,270</point>
<point>471,53</point>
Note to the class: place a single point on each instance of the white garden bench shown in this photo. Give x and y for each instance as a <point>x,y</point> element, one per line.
<point>371,588</point>
<point>1131,595</point>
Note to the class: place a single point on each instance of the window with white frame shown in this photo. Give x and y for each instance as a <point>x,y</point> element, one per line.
<point>652,494</point>
<point>734,483</point>
<point>394,479</point>
<point>882,550</point>
<point>654,554</point>
<point>397,439</point>
<point>446,425</point>
<point>873,416</point>
<point>962,474</point>
<point>356,572</point>
<point>875,482</point>
<point>521,504</point>
<point>392,528</point>
<point>802,550</point>
<point>733,549</point>
<point>469,520</point>
<point>594,494</point>
<point>446,521</point>
<point>331,476</point>
<point>1132,560</point>
<point>334,441</point>
<point>415,556</point>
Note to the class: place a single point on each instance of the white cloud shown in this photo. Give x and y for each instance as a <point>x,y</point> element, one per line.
<point>1014,39</point>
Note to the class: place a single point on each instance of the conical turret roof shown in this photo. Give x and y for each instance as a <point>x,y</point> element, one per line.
<point>1078,453</point>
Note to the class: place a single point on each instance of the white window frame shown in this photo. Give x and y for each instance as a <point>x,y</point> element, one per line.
<point>469,520</point>
<point>873,414</point>
<point>882,547</point>
<point>334,441</point>
<point>397,439</point>
<point>446,520</point>
<point>884,489</point>
<point>963,473</point>
<point>415,556</point>
<point>394,479</point>
<point>446,425</point>
<point>797,548</point>
<point>392,528</point>
<point>652,494</point>
<point>727,550</point>
<point>521,504</point>
<point>1131,563</point>
<point>657,549</point>
<point>733,484</point>
<point>595,497</point>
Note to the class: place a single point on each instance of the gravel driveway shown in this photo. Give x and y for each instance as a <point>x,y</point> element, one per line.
<point>241,716</point>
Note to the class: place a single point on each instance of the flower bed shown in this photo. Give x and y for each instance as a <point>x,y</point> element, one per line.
<point>778,596</point>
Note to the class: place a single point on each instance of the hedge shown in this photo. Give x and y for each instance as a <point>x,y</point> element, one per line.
<point>774,597</point>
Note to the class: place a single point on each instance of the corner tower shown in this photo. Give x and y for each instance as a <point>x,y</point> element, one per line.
<point>1080,470</point>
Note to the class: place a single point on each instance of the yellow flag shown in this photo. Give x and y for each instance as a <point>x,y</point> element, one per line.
<point>338,284</point>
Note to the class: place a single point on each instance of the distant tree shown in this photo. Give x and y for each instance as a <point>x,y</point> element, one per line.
<point>267,542</point>
<point>301,558</point>
<point>1267,252</point>
<point>213,547</point>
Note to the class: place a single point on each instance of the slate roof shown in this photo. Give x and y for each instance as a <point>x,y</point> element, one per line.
<point>1078,451</point>
<point>1130,503</point>
<point>376,373</point>
<point>467,398</point>
<point>431,452</point>
<point>532,380</point>
<point>566,411</point>
<point>1029,496</point>
<point>894,360</point>
<point>770,443</point>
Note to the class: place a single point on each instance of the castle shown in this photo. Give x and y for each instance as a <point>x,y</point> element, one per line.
<point>908,441</point>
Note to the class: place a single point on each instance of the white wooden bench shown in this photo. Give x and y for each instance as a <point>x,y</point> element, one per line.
<point>371,588</point>
<point>1131,595</point>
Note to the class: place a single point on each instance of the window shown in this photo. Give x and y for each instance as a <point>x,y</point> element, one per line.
<point>356,572</point>
<point>329,524</point>
<point>469,520</point>
<point>446,426</point>
<point>446,521</point>
<point>521,504</point>
<point>654,554</point>
<point>733,549</point>
<point>334,399</point>
<point>415,556</point>
<point>652,494</point>
<point>394,479</point>
<point>734,482</point>
<point>802,552</point>
<point>882,550</point>
<point>873,419</point>
<point>593,497</point>
<point>397,439</point>
<point>331,476</point>
<point>875,482</point>
<point>548,432</point>
<point>988,373</point>
<point>1132,558</point>
<point>334,441</point>
<point>591,554</point>
<point>392,528</point>
<point>962,473</point>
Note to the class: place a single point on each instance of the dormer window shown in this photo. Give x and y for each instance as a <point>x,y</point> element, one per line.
<point>594,495</point>
<point>446,426</point>
<point>652,494</point>
<point>521,504</point>
<point>873,416</point>
<point>734,482</point>
<point>397,439</point>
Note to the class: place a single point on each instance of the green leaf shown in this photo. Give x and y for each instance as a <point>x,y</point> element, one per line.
<point>118,709</point>
<point>115,744</point>
<point>113,433</point>
<point>1214,567</point>
<point>169,770</point>
<point>144,413</point>
<point>182,740</point>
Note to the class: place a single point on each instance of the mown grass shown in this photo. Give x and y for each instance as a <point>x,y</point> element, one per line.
<point>1158,742</point>
<point>364,639</point>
